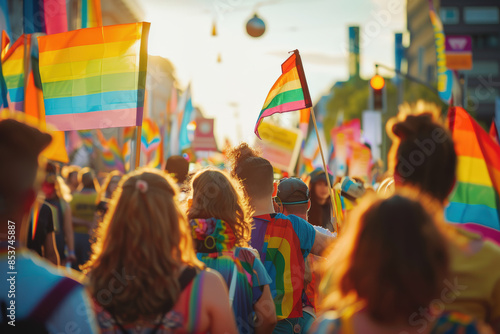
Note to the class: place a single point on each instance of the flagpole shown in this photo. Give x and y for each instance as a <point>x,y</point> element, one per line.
<point>332,194</point>
<point>138,137</point>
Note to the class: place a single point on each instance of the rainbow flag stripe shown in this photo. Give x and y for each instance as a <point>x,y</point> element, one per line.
<point>289,92</point>
<point>95,77</point>
<point>13,71</point>
<point>476,195</point>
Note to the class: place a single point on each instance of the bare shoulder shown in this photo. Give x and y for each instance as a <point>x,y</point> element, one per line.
<point>213,278</point>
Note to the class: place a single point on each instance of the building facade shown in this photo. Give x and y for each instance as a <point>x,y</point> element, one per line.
<point>479,19</point>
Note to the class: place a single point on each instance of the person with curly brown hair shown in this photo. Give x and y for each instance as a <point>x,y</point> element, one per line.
<point>144,274</point>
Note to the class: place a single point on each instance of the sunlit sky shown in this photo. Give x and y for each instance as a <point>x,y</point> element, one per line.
<point>234,90</point>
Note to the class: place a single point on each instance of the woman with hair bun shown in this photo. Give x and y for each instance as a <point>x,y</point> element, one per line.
<point>388,271</point>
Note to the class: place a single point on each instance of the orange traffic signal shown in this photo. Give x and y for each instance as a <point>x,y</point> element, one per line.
<point>377,82</point>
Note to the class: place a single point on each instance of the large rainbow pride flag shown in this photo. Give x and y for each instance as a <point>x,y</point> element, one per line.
<point>289,92</point>
<point>95,77</point>
<point>476,195</point>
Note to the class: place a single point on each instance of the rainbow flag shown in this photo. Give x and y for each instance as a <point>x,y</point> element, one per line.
<point>95,77</point>
<point>91,13</point>
<point>289,92</point>
<point>150,142</point>
<point>87,140</point>
<point>111,152</point>
<point>476,195</point>
<point>113,155</point>
<point>13,71</point>
<point>128,133</point>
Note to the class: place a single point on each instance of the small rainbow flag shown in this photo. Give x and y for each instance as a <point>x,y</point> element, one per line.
<point>113,155</point>
<point>111,152</point>
<point>289,92</point>
<point>150,141</point>
<point>13,72</point>
<point>95,78</point>
<point>87,139</point>
<point>476,195</point>
<point>128,133</point>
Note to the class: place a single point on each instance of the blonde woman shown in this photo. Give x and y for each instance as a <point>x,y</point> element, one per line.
<point>221,222</point>
<point>144,275</point>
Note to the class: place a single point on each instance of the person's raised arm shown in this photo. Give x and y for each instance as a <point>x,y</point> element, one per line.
<point>321,243</point>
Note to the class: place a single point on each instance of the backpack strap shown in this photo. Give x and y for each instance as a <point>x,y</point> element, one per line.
<point>195,302</point>
<point>49,303</point>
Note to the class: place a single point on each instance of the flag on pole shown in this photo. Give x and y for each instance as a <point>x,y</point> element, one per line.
<point>290,92</point>
<point>95,77</point>
<point>187,117</point>
<point>176,120</point>
<point>13,71</point>
<point>475,198</point>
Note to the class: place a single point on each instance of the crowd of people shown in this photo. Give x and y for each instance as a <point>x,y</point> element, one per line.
<point>236,251</point>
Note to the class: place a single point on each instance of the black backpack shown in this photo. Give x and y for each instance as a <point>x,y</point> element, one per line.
<point>35,322</point>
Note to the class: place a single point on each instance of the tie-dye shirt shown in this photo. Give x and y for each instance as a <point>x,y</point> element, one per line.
<point>216,248</point>
<point>283,243</point>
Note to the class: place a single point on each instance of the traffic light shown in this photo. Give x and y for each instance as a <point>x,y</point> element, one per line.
<point>377,85</point>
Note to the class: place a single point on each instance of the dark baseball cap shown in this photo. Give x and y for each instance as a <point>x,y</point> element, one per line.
<point>292,191</point>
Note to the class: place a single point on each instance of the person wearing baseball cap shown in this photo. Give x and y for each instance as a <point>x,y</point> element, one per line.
<point>293,197</point>
<point>283,242</point>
